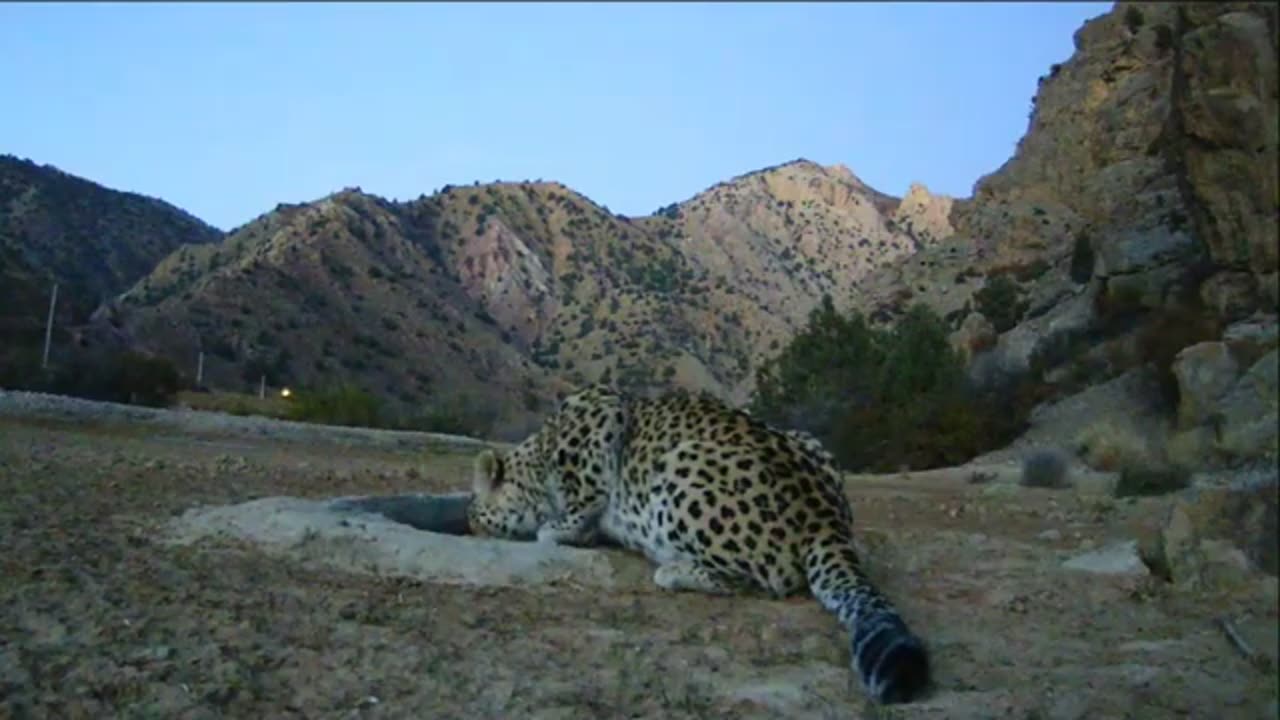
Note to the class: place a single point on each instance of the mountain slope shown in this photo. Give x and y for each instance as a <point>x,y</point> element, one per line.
<point>94,241</point>
<point>520,290</point>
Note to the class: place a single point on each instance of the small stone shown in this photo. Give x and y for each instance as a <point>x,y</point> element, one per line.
<point>1071,706</point>
<point>1116,559</point>
<point>769,635</point>
<point>999,488</point>
<point>1050,535</point>
<point>715,654</point>
<point>155,653</point>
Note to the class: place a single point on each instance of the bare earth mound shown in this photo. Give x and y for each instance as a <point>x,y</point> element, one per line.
<point>105,615</point>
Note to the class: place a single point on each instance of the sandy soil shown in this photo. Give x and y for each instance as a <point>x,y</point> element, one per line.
<point>101,619</point>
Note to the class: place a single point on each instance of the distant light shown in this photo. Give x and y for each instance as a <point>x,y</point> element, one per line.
<point>285,392</point>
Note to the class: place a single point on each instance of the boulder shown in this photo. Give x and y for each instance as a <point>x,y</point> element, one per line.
<point>1249,413</point>
<point>1043,335</point>
<point>1206,372</point>
<point>1121,559</point>
<point>1216,535</point>
<point>1251,339</point>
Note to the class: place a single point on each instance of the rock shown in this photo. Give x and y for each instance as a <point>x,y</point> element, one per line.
<point>321,531</point>
<point>1233,295</point>
<point>1121,559</point>
<point>928,215</point>
<point>1224,564</point>
<point>1228,107</point>
<point>1193,545</point>
<point>1070,706</point>
<point>155,653</point>
<point>1134,250</point>
<point>1050,535</point>
<point>1250,412</point>
<point>1000,489</point>
<point>1251,339</point>
<point>1206,372</point>
<point>1193,447</point>
<point>1015,349</point>
<point>974,335</point>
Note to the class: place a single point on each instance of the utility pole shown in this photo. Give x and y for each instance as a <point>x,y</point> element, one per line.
<point>48,327</point>
<point>200,370</point>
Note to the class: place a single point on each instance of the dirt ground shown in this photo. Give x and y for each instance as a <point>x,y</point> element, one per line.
<point>99,619</point>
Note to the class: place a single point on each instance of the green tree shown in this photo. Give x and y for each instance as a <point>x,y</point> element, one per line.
<point>827,368</point>
<point>341,404</point>
<point>999,301</point>
<point>879,399</point>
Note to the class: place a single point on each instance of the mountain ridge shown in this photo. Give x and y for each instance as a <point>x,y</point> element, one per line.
<point>563,290</point>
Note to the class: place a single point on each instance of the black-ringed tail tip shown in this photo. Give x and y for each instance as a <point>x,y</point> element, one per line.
<point>891,661</point>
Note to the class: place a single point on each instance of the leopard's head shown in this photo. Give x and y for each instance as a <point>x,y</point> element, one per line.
<point>509,496</point>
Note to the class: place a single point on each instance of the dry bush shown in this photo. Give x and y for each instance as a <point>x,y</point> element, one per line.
<point>1111,446</point>
<point>1151,480</point>
<point>1044,468</point>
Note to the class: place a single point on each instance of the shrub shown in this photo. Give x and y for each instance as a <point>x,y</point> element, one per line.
<point>1082,259</point>
<point>1166,334</point>
<point>458,415</point>
<point>1148,480</point>
<point>338,405</point>
<point>1133,19</point>
<point>1109,446</point>
<point>999,302</point>
<point>1044,468</point>
<point>125,377</point>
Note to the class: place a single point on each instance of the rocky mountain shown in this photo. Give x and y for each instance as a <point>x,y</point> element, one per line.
<point>93,241</point>
<point>502,295</point>
<point>1133,229</point>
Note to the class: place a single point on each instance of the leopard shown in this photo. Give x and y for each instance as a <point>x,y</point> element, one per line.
<point>720,502</point>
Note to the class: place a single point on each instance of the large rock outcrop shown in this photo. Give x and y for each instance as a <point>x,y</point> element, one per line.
<point>1137,217</point>
<point>1159,134</point>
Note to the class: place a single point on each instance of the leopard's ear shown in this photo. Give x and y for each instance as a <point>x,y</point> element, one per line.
<point>486,473</point>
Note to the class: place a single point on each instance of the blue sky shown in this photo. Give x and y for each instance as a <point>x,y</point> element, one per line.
<point>227,109</point>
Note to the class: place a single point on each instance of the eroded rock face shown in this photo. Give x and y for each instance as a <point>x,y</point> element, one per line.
<point>1160,132</point>
<point>1227,105</point>
<point>1154,149</point>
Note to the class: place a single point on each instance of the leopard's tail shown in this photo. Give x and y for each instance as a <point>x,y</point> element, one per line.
<point>889,659</point>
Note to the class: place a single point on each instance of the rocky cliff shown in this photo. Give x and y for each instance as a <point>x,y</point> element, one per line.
<point>1137,216</point>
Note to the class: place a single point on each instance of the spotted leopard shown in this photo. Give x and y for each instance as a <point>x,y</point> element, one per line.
<point>718,500</point>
